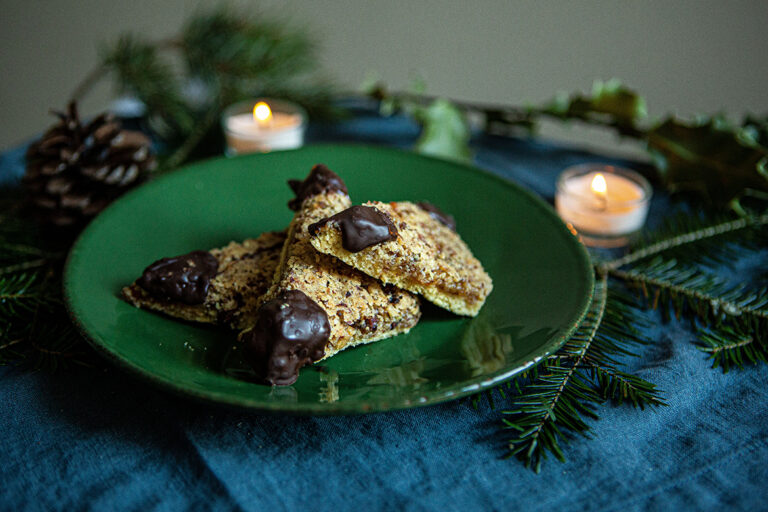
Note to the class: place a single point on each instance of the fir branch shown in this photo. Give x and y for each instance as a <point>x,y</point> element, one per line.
<point>701,293</point>
<point>734,345</point>
<point>181,153</point>
<point>557,398</point>
<point>731,320</point>
<point>20,292</point>
<point>687,238</point>
<point>56,344</point>
<point>35,330</point>
<point>621,386</point>
<point>221,56</point>
<point>246,52</point>
<point>27,265</point>
<point>141,70</point>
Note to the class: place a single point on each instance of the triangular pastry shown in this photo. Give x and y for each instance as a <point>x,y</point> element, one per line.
<point>222,286</point>
<point>412,246</point>
<point>318,305</point>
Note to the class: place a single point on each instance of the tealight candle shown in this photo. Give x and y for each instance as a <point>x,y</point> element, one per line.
<point>263,125</point>
<point>603,203</point>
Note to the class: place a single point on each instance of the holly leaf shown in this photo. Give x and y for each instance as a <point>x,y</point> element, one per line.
<point>445,133</point>
<point>613,98</point>
<point>610,102</point>
<point>754,130</point>
<point>708,157</point>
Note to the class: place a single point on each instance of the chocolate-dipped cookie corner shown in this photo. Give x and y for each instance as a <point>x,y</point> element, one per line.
<point>291,331</point>
<point>320,180</point>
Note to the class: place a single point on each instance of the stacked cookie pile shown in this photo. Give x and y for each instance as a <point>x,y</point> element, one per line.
<point>338,276</point>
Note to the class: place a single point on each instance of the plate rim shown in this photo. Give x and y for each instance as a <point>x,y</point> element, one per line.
<point>471,386</point>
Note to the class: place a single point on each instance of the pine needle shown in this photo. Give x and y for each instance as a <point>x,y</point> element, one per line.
<point>565,391</point>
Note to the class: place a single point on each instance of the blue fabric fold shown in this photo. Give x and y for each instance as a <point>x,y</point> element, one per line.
<point>98,439</point>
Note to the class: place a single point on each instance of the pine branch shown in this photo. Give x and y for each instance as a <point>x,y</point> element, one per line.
<point>621,386</point>
<point>20,292</point>
<point>35,330</point>
<point>181,154</point>
<point>221,55</point>
<point>687,238</point>
<point>141,70</point>
<point>556,399</point>
<point>535,420</point>
<point>682,275</point>
<point>704,295</point>
<point>246,52</point>
<point>733,345</point>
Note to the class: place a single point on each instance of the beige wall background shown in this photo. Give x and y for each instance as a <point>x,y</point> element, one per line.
<point>685,57</point>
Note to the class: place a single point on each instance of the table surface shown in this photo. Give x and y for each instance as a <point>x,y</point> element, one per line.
<point>100,439</point>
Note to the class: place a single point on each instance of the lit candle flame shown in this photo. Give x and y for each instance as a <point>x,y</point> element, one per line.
<point>262,113</point>
<point>599,187</point>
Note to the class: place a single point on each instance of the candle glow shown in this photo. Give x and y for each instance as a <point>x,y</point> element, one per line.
<point>599,186</point>
<point>261,112</point>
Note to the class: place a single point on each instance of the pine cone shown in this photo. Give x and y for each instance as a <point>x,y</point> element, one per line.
<point>75,171</point>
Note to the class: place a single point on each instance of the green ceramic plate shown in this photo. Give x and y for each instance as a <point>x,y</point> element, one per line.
<point>541,273</point>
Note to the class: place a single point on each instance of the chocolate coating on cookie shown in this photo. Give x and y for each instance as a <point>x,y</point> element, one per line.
<point>438,214</point>
<point>361,227</point>
<point>184,278</point>
<point>291,331</point>
<point>321,180</point>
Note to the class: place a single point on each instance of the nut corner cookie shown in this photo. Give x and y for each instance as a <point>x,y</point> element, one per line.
<point>221,286</point>
<point>318,305</point>
<point>411,246</point>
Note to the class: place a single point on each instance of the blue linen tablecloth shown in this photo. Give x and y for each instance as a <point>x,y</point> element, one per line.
<point>99,439</point>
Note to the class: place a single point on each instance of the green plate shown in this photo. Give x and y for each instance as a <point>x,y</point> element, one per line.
<point>541,274</point>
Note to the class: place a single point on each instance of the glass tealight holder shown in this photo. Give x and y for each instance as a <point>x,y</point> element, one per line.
<point>250,130</point>
<point>606,205</point>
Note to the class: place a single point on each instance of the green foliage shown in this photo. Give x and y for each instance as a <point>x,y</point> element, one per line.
<point>610,103</point>
<point>241,53</point>
<point>221,56</point>
<point>140,70</point>
<point>445,133</point>
<point>34,327</point>
<point>754,131</point>
<point>736,344</point>
<point>564,392</point>
<point>711,157</point>
<point>675,273</point>
<point>681,276</point>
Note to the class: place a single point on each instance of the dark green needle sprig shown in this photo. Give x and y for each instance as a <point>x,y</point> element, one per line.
<point>679,274</point>
<point>35,330</point>
<point>564,391</point>
<point>220,56</point>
